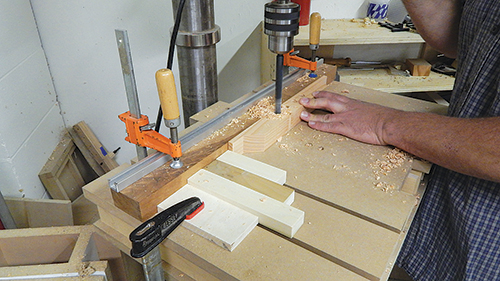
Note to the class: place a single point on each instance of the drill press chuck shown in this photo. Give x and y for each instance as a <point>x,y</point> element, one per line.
<point>281,23</point>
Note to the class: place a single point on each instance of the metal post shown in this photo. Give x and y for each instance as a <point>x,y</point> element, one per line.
<point>151,264</point>
<point>196,53</point>
<point>129,80</point>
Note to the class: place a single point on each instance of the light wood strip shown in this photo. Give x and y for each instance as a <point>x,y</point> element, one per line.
<point>219,221</point>
<point>253,166</point>
<point>272,213</point>
<point>276,191</point>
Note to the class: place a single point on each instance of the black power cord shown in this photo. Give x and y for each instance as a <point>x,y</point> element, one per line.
<point>170,59</point>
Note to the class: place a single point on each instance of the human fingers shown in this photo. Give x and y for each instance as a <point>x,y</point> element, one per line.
<point>309,117</point>
<point>331,95</point>
<point>328,102</point>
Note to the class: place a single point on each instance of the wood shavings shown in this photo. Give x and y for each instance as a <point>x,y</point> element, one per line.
<point>265,108</point>
<point>239,122</point>
<point>393,159</point>
<point>385,187</point>
<point>305,79</point>
<point>86,270</point>
<point>365,22</point>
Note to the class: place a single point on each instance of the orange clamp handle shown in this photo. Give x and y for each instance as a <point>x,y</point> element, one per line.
<point>295,61</point>
<point>148,138</point>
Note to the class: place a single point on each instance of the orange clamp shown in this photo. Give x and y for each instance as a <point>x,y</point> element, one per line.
<point>148,138</point>
<point>295,61</point>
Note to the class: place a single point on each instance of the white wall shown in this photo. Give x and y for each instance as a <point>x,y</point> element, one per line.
<point>31,122</point>
<point>79,43</point>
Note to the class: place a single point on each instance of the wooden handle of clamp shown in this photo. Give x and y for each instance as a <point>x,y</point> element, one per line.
<point>314,28</point>
<point>167,93</point>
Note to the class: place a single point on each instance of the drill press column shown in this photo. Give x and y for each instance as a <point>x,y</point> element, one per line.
<point>281,23</point>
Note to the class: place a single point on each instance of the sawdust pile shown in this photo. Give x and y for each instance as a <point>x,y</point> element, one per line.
<point>264,109</point>
<point>365,21</point>
<point>393,159</point>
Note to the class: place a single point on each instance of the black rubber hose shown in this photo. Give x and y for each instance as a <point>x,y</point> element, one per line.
<point>170,59</point>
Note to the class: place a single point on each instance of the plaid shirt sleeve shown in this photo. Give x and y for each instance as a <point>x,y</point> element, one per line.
<point>456,232</point>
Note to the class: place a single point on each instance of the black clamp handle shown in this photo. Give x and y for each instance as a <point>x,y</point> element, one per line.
<point>152,232</point>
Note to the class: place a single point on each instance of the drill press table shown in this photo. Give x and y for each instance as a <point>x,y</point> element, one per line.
<point>353,228</point>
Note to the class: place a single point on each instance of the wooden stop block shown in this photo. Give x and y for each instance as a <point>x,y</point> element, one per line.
<point>418,67</point>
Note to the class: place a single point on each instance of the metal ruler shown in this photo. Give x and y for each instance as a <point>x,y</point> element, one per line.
<point>154,161</point>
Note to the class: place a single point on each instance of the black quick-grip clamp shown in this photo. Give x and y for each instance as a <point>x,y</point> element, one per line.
<point>147,236</point>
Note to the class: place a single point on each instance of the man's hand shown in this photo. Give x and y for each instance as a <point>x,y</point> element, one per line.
<point>355,119</point>
<point>465,145</point>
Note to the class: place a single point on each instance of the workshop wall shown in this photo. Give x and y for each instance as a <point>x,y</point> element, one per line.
<point>30,114</point>
<point>83,79</point>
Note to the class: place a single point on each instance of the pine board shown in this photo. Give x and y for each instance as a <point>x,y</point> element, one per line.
<point>219,221</point>
<point>259,184</point>
<point>252,166</point>
<point>272,213</point>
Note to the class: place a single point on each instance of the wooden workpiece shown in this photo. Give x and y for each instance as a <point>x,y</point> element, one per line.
<point>418,67</point>
<point>355,221</point>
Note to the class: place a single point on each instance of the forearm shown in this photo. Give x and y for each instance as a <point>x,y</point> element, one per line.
<point>467,146</point>
<point>437,22</point>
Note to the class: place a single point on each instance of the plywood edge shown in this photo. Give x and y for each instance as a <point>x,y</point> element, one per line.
<point>49,212</point>
<point>220,222</point>
<point>77,263</point>
<point>272,213</point>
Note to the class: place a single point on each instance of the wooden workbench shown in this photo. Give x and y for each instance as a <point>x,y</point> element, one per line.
<point>382,80</point>
<point>345,32</point>
<point>355,32</point>
<point>353,228</point>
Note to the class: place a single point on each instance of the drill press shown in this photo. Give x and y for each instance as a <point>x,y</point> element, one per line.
<point>281,24</point>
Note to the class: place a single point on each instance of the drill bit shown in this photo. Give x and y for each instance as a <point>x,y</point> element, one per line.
<point>279,83</point>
